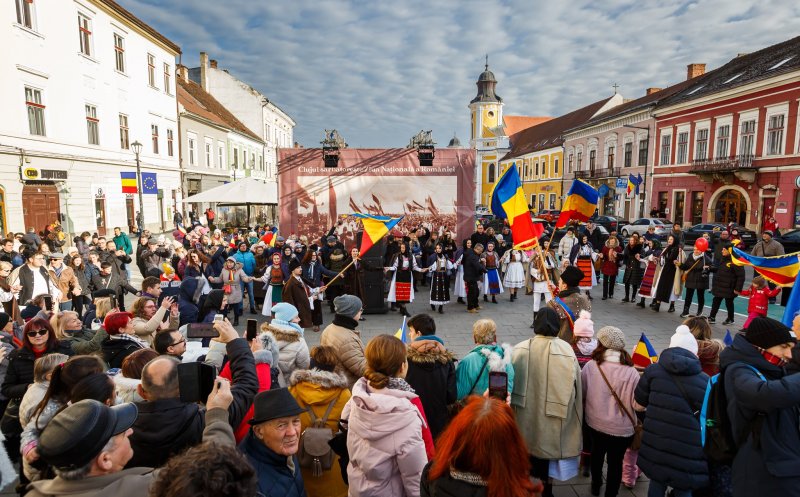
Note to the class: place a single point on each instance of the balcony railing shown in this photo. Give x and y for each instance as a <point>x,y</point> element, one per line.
<point>723,164</point>
<point>582,174</point>
<point>610,172</point>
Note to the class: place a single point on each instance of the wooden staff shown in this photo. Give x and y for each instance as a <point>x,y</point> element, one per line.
<point>341,272</point>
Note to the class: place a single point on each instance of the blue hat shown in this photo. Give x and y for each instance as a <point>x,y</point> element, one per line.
<point>284,311</point>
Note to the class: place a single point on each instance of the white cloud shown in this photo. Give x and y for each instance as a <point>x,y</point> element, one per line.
<point>381,71</point>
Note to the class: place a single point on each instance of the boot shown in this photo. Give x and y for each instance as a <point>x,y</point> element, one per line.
<point>641,303</point>
<point>534,319</point>
<point>433,307</point>
<point>460,300</point>
<point>685,313</point>
<point>404,311</point>
<point>511,297</point>
<point>586,463</point>
<point>441,309</point>
<point>589,295</point>
<point>485,298</point>
<point>671,307</point>
<point>656,306</point>
<point>236,320</point>
<point>494,299</point>
<point>627,296</point>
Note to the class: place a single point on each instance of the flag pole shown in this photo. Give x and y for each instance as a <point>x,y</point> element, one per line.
<point>354,260</point>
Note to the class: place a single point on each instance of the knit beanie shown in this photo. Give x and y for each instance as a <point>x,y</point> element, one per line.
<point>347,305</point>
<point>684,339</point>
<point>584,327</point>
<point>284,311</point>
<point>611,337</point>
<point>768,332</point>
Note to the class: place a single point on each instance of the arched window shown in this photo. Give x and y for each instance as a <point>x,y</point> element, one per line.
<point>731,207</point>
<point>491,173</point>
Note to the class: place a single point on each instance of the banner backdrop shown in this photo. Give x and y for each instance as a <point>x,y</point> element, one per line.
<point>387,182</point>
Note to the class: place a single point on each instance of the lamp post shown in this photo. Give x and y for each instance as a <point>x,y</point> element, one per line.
<point>644,189</point>
<point>137,149</point>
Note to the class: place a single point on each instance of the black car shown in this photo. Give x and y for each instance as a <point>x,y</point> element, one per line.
<point>690,235</point>
<point>610,223</point>
<point>790,241</point>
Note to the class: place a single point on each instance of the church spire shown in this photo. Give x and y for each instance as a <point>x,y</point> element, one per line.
<point>486,86</point>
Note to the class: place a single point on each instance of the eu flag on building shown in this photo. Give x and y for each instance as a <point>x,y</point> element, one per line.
<point>149,183</point>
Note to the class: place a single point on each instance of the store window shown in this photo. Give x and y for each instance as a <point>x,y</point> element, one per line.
<point>697,207</point>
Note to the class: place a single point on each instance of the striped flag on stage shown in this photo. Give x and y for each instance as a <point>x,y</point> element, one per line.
<point>128,182</point>
<point>644,354</point>
<point>375,228</point>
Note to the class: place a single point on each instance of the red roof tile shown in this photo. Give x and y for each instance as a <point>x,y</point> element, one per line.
<point>200,103</point>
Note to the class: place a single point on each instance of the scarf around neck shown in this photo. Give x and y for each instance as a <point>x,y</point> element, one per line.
<point>399,384</point>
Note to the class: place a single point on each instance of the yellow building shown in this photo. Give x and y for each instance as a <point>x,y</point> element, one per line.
<point>486,135</point>
<point>542,174</point>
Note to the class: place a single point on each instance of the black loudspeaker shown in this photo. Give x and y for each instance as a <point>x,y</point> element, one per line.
<point>373,277</point>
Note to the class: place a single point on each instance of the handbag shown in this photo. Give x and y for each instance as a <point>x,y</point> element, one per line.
<point>638,428</point>
<point>315,452</point>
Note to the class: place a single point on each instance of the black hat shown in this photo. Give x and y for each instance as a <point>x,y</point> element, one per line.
<point>293,264</point>
<point>572,276</point>
<point>29,312</point>
<point>274,404</point>
<point>768,332</point>
<point>77,434</point>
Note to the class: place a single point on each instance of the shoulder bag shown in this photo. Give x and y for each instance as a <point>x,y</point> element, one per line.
<point>638,428</point>
<point>456,407</point>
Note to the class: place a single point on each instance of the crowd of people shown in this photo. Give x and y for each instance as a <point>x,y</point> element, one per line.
<point>99,400</point>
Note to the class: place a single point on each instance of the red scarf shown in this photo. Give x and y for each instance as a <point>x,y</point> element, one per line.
<point>772,358</point>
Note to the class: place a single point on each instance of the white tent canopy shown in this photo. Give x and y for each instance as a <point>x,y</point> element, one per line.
<point>243,191</point>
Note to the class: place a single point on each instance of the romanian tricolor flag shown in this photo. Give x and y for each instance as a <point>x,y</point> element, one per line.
<point>128,182</point>
<point>781,270</point>
<point>375,228</point>
<point>644,354</point>
<point>632,184</point>
<point>508,202</point>
<point>580,204</point>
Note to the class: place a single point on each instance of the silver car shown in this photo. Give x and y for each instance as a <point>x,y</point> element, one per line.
<point>640,226</point>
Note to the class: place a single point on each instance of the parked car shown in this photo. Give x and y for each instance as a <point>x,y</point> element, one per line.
<point>549,215</point>
<point>691,234</point>
<point>790,241</point>
<point>610,223</point>
<point>663,226</point>
<point>604,234</point>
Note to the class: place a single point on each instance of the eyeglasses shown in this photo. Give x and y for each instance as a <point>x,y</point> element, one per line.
<point>178,342</point>
<point>40,333</point>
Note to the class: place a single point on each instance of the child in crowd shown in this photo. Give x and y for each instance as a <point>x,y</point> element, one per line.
<point>759,294</point>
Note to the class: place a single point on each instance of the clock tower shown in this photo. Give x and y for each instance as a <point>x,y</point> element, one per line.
<point>486,111</point>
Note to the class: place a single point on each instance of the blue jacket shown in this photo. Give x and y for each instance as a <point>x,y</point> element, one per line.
<point>248,261</point>
<point>766,416</point>
<point>671,451</point>
<point>471,365</point>
<point>186,303</point>
<point>275,479</point>
<point>215,265</point>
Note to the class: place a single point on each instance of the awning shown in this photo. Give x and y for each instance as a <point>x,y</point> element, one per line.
<point>244,191</point>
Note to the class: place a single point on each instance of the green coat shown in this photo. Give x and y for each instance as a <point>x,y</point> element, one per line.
<point>123,243</point>
<point>468,369</point>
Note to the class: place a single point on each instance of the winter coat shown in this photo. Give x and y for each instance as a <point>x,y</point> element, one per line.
<point>234,279</point>
<point>696,275</point>
<point>152,259</point>
<point>84,342</point>
<point>127,389</point>
<point>432,374</point>
<point>671,452</point>
<point>276,478</point>
<point>188,296</point>
<point>134,481</point>
<point>384,441</point>
<point>577,302</point>
<point>26,281</point>
<point>665,285</point>
<point>313,273</point>
<point>147,329</point>
<point>611,267</point>
<point>495,357</point>
<point>20,370</point>
<point>771,249</point>
<point>84,279</point>
<point>316,389</point>
<point>342,335</point>
<point>759,299</point>
<point>447,486</point>
<point>473,269</point>
<point>565,246</point>
<point>600,408</point>
<point>728,278</point>
<point>123,243</point>
<point>247,260</point>
<point>547,397</point>
<point>766,417</point>
<point>115,350</point>
<point>594,237</point>
<point>633,267</point>
<point>166,427</point>
<point>294,292</point>
<point>292,345</point>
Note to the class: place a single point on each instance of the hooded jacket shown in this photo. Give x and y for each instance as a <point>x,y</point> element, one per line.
<point>766,416</point>
<point>759,299</point>
<point>292,346</point>
<point>495,357</point>
<point>188,296</point>
<point>671,451</point>
<point>346,340</point>
<point>432,374</point>
<point>384,441</point>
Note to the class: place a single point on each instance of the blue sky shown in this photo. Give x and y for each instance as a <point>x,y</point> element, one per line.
<point>380,71</point>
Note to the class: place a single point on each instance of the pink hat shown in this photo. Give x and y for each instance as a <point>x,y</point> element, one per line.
<point>584,327</point>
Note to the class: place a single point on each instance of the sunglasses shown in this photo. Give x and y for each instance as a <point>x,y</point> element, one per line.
<point>40,333</point>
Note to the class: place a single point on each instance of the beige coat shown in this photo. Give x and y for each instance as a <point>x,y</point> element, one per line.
<point>349,350</point>
<point>67,283</point>
<point>547,397</point>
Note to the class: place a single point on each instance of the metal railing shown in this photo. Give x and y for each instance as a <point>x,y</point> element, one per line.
<point>723,164</point>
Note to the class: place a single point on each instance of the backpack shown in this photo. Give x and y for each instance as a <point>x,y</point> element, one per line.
<point>719,443</point>
<point>314,451</point>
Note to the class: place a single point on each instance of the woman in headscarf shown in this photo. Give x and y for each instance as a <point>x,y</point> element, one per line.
<point>582,256</point>
<point>401,291</point>
<point>669,279</point>
<point>651,253</point>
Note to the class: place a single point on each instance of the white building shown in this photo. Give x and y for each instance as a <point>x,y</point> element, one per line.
<point>82,81</point>
<point>253,109</point>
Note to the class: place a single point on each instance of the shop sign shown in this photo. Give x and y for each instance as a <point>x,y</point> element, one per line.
<point>622,184</point>
<point>33,173</point>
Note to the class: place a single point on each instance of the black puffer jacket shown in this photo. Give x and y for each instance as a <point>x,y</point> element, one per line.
<point>767,417</point>
<point>728,277</point>
<point>696,275</point>
<point>671,452</point>
<point>432,374</point>
<point>19,374</point>
<point>473,270</point>
<point>447,486</point>
<point>633,267</point>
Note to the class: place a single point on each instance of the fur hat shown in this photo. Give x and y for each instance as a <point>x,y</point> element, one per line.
<point>584,327</point>
<point>684,339</point>
<point>611,337</point>
<point>767,332</point>
<point>572,276</point>
<point>293,264</point>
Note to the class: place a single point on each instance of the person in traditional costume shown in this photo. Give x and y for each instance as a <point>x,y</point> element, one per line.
<point>492,285</point>
<point>540,278</point>
<point>460,287</point>
<point>610,267</point>
<point>651,254</point>
<point>401,289</point>
<point>668,285</point>
<point>514,278</point>
<point>439,266</point>
<point>582,256</point>
<point>551,263</point>
<point>313,271</point>
<point>300,294</point>
<point>570,301</point>
<point>274,278</point>
<point>632,256</point>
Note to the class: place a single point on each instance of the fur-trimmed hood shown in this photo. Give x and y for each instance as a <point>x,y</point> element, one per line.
<point>269,346</point>
<point>283,333</point>
<point>429,352</point>
<point>496,361</point>
<point>324,379</point>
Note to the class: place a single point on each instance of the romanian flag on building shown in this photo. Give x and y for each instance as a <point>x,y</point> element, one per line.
<point>633,185</point>
<point>128,182</point>
<point>580,204</point>
<point>508,202</point>
<point>644,354</point>
<point>375,228</point>
<point>402,333</point>
<point>781,270</point>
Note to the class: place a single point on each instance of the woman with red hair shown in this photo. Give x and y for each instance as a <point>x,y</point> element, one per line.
<point>467,455</point>
<point>122,339</point>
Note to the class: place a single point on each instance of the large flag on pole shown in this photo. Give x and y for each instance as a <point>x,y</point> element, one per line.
<point>781,270</point>
<point>580,204</point>
<point>508,202</point>
<point>375,228</point>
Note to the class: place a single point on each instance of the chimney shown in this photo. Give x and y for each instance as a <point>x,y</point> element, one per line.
<point>183,73</point>
<point>695,70</point>
<point>213,64</point>
<point>652,90</point>
<point>204,70</point>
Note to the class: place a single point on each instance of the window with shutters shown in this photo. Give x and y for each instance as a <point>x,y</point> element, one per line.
<point>124,132</point>
<point>701,145</point>
<point>666,149</point>
<point>723,141</point>
<point>683,148</point>
<point>747,138</point>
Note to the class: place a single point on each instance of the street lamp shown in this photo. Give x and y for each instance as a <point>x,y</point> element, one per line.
<point>137,149</point>
<point>644,189</point>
